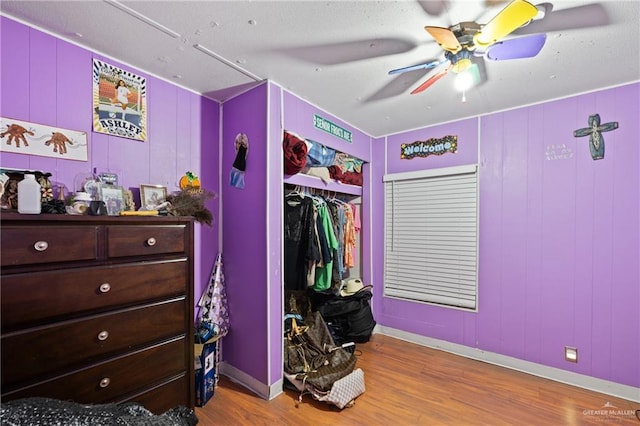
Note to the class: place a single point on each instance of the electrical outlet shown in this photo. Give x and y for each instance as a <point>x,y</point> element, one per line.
<point>570,354</point>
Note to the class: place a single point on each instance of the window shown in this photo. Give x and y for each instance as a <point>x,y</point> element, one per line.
<point>431,236</point>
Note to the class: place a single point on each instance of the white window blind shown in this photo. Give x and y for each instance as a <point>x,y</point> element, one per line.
<point>431,236</point>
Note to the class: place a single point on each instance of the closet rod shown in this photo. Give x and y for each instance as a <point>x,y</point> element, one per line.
<point>315,182</point>
<point>320,191</point>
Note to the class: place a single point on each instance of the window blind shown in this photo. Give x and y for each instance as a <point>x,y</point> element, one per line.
<point>431,236</point>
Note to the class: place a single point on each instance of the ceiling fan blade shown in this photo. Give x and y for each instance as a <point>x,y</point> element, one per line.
<point>585,16</point>
<point>425,66</point>
<point>431,80</point>
<point>516,48</point>
<point>434,7</point>
<point>491,3</point>
<point>516,14</point>
<point>482,71</point>
<point>349,51</point>
<point>445,38</point>
<point>397,85</point>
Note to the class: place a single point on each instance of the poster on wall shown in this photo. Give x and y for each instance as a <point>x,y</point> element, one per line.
<point>23,137</point>
<point>119,102</point>
<point>241,145</point>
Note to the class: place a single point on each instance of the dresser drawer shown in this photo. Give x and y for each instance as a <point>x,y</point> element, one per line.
<point>113,379</point>
<point>38,352</point>
<point>41,296</point>
<point>145,240</point>
<point>41,244</point>
<point>165,396</point>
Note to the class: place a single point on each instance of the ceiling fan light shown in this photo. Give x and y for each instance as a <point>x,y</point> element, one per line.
<point>463,82</point>
<point>467,79</point>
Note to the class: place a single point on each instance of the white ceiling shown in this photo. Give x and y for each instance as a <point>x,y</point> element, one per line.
<point>337,54</point>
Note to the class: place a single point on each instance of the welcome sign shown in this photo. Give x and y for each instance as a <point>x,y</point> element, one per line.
<point>433,146</point>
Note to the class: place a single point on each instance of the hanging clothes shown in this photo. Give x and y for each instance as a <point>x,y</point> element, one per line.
<point>337,253</point>
<point>320,240</point>
<point>300,242</point>
<point>325,249</point>
<point>324,272</point>
<point>357,225</point>
<point>312,263</point>
<point>349,239</point>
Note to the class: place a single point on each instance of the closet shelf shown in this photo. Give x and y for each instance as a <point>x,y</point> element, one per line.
<point>316,182</point>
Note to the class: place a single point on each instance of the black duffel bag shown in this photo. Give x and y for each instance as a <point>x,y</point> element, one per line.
<point>349,318</point>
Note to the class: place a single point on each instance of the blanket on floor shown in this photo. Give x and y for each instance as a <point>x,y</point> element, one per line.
<point>46,411</point>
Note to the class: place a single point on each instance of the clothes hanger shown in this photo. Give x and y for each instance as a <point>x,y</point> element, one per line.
<point>296,192</point>
<point>337,200</point>
<point>318,200</point>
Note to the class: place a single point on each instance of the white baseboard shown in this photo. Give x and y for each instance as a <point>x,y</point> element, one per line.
<point>568,377</point>
<point>255,386</point>
<point>276,389</point>
<point>244,379</point>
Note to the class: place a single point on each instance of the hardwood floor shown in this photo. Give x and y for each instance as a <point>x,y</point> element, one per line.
<point>408,384</point>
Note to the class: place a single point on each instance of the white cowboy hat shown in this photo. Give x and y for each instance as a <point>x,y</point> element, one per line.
<point>352,286</point>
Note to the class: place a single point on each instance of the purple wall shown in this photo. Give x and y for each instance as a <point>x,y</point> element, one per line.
<point>298,118</point>
<point>49,81</point>
<point>244,237</point>
<point>205,120</point>
<point>467,132</point>
<point>559,237</point>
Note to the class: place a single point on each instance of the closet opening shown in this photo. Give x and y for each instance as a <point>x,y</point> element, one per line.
<point>322,244</point>
<point>326,305</point>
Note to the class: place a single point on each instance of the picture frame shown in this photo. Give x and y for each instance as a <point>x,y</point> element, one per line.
<point>113,198</point>
<point>119,102</point>
<point>110,178</point>
<point>25,137</point>
<point>129,204</point>
<point>152,195</point>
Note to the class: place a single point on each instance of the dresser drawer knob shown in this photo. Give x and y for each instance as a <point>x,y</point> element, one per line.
<point>103,335</point>
<point>105,287</point>
<point>41,245</point>
<point>105,382</point>
<point>151,242</point>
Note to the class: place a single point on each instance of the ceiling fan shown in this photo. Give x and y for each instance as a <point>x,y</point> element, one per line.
<point>465,41</point>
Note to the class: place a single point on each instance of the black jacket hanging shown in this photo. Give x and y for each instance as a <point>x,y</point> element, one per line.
<point>300,245</point>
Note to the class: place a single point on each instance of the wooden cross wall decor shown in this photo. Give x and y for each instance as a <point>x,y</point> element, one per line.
<point>594,131</point>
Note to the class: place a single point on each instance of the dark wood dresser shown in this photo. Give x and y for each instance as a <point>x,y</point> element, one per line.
<point>97,309</point>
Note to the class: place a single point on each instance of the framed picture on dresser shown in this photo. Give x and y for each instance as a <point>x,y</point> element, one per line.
<point>152,195</point>
<point>113,197</point>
